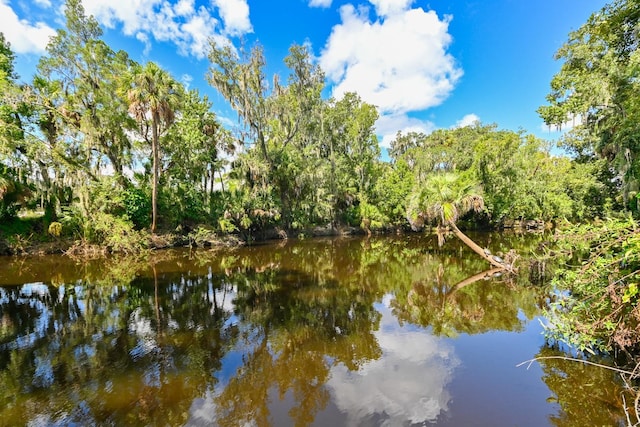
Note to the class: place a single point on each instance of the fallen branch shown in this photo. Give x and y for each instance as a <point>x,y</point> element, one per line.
<point>572,359</point>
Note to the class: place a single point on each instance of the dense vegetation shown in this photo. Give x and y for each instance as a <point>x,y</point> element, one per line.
<point>112,152</point>
<point>110,149</point>
<point>597,87</point>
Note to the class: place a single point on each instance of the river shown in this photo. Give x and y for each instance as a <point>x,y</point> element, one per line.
<point>384,331</point>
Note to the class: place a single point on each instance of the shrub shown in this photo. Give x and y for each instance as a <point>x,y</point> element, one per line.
<point>137,207</point>
<point>55,229</point>
<point>597,307</point>
<point>116,233</point>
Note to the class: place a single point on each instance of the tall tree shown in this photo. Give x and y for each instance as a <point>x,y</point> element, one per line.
<point>7,132</point>
<point>279,122</point>
<point>195,148</point>
<point>30,130</point>
<point>242,82</point>
<point>353,154</point>
<point>596,90</point>
<point>153,96</point>
<point>88,73</point>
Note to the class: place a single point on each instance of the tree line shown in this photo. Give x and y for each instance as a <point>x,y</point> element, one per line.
<point>111,149</point>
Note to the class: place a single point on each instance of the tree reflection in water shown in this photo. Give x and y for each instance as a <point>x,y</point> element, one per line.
<point>329,331</point>
<point>583,392</point>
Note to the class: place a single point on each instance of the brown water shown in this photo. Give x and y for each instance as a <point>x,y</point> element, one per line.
<point>329,332</point>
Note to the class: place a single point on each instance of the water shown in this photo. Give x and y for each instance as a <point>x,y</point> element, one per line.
<point>320,332</point>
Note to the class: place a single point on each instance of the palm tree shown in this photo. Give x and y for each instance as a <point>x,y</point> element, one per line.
<point>6,186</point>
<point>444,198</point>
<point>152,95</point>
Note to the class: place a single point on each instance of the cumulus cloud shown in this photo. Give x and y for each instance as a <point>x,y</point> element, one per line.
<point>389,7</point>
<point>398,61</point>
<point>24,36</point>
<point>185,7</point>
<point>408,384</point>
<point>235,15</point>
<point>144,39</point>
<point>468,120</point>
<point>181,23</point>
<point>320,3</point>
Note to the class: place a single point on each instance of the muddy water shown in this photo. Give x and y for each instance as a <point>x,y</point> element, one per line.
<point>333,332</point>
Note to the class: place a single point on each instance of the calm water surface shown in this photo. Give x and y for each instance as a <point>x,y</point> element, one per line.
<point>389,331</point>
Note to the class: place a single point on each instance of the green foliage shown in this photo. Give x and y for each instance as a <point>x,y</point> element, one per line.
<point>102,220</point>
<point>202,236</point>
<point>392,191</point>
<point>597,306</point>
<point>137,206</point>
<point>195,147</point>
<point>598,85</point>
<point>13,193</point>
<point>182,205</point>
<point>443,198</point>
<point>519,177</point>
<point>299,160</point>
<point>226,225</point>
<point>114,233</point>
<point>246,213</point>
<point>307,158</point>
<point>371,217</point>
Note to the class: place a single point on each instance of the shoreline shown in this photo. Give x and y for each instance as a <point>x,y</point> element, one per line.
<point>167,240</point>
<point>201,239</point>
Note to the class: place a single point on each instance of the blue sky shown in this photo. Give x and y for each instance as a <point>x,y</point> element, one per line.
<point>425,64</point>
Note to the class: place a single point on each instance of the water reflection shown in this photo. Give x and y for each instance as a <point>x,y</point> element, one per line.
<point>318,332</point>
<point>578,390</point>
<point>408,383</point>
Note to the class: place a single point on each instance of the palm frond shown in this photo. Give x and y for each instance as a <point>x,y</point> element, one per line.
<point>444,198</point>
<point>6,186</point>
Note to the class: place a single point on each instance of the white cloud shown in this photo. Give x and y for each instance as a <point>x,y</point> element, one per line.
<point>407,384</point>
<point>144,38</point>
<point>320,3</point>
<point>389,7</point>
<point>235,14</point>
<point>186,80</point>
<point>468,120</point>
<point>45,4</point>
<point>389,125</point>
<point>24,36</point>
<point>198,30</point>
<point>177,22</point>
<point>398,63</point>
<point>185,7</point>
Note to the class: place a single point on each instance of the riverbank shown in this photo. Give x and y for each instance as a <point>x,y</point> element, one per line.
<point>202,237</point>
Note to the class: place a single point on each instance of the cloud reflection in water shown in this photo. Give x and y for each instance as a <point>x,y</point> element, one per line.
<point>407,384</point>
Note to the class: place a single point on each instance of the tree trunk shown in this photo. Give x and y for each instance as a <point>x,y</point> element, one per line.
<point>221,181</point>
<point>476,248</point>
<point>49,202</point>
<point>154,186</point>
<point>487,274</point>
<point>157,301</point>
<point>118,169</point>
